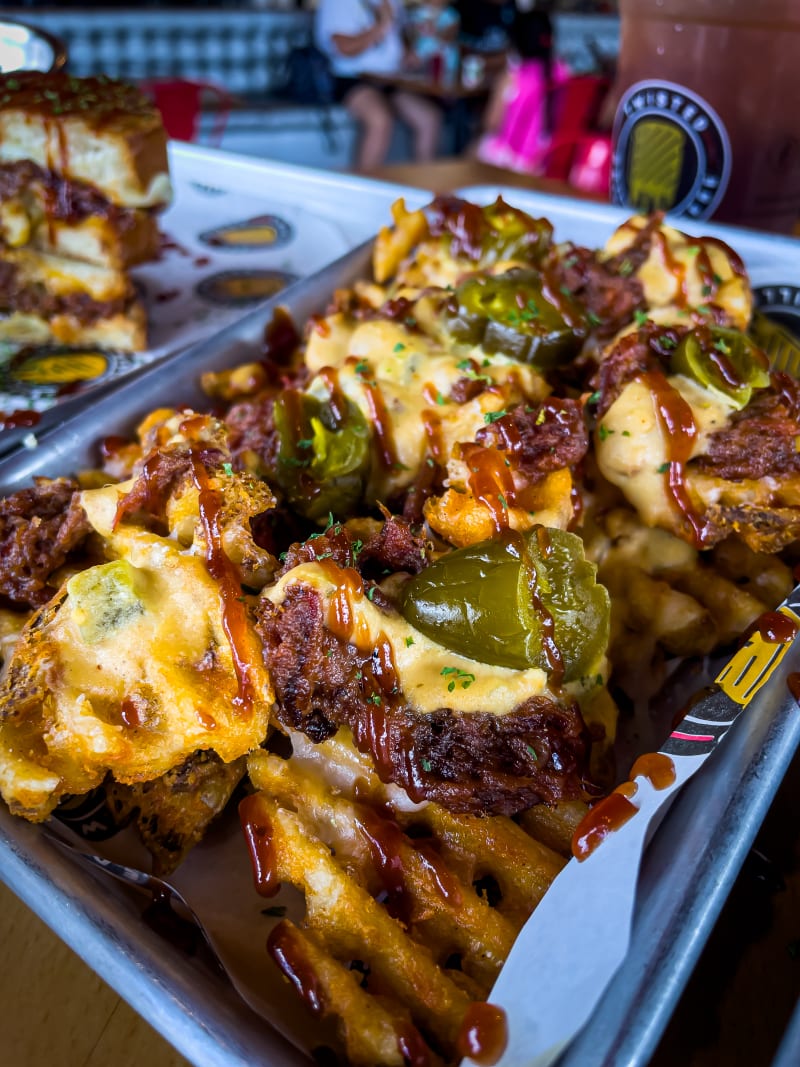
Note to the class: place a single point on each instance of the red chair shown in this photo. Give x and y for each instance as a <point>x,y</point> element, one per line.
<point>181,103</point>
<point>588,161</point>
<point>575,106</point>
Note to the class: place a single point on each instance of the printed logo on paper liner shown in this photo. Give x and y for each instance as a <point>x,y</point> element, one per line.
<point>671,151</point>
<point>262,231</point>
<point>238,288</point>
<point>48,369</point>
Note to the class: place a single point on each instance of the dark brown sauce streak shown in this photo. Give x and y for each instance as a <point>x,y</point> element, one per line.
<point>381,424</point>
<point>793,685</point>
<point>603,819</point>
<point>555,661</point>
<point>258,831</point>
<point>371,731</point>
<point>490,481</point>
<point>336,398</point>
<point>734,259</point>
<point>483,1034</point>
<point>679,429</point>
<point>20,419</point>
<point>551,291</point>
<point>391,850</point>
<point>234,616</point>
<point>674,266</point>
<point>131,713</point>
<point>412,1047</point>
<point>616,809</point>
<point>281,338</point>
<point>775,628</point>
<point>432,425</point>
<point>287,951</point>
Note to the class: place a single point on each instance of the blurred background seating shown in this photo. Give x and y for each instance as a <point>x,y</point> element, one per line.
<point>243,50</point>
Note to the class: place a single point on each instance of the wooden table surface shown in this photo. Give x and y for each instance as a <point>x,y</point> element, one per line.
<point>54,1012</point>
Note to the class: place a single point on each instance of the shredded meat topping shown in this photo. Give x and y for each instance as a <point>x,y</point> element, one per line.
<point>610,297</point>
<point>397,546</point>
<point>645,350</point>
<point>39,528</point>
<point>543,439</point>
<point>759,440</point>
<point>477,762</point>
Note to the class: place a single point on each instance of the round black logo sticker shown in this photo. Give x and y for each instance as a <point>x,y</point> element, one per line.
<point>781,303</point>
<point>671,151</point>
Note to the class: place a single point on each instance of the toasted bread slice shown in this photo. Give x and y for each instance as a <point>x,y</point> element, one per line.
<point>94,130</point>
<point>30,278</point>
<point>123,331</point>
<point>58,222</point>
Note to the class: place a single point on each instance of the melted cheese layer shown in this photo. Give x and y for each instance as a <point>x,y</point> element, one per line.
<point>419,661</point>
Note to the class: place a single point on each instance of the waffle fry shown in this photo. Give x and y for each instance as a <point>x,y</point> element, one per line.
<point>426,904</point>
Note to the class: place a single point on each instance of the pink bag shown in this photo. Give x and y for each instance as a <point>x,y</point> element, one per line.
<point>523,138</point>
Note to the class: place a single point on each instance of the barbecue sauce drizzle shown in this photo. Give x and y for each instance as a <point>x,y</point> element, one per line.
<point>680,430</point>
<point>234,616</point>
<point>286,949</point>
<point>616,809</point>
<point>483,1035</point>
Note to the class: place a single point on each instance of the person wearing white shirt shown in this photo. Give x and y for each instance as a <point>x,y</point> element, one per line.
<point>359,36</point>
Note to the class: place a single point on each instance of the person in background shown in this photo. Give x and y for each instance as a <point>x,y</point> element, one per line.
<point>434,37</point>
<point>518,121</point>
<point>485,24</point>
<point>358,37</point>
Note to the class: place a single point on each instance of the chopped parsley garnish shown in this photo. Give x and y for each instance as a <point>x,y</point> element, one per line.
<point>604,431</point>
<point>426,765</point>
<point>532,753</point>
<point>626,268</point>
<point>717,279</point>
<point>666,341</point>
<point>409,642</point>
<point>356,547</point>
<point>704,309</point>
<point>625,433</point>
<point>440,399</point>
<point>722,346</point>
<point>457,676</point>
<point>374,699</point>
<point>493,416</point>
<point>361,367</point>
<point>693,250</point>
<point>594,320</point>
<point>503,503</point>
<point>706,290</point>
<point>594,398</point>
<point>640,317</point>
<point>565,289</point>
<point>663,468</point>
<point>371,593</point>
<point>228,468</point>
<point>399,347</point>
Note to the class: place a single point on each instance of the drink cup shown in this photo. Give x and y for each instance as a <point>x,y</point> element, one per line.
<point>708,114</point>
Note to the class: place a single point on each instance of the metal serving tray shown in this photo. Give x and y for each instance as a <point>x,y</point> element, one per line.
<point>686,873</point>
